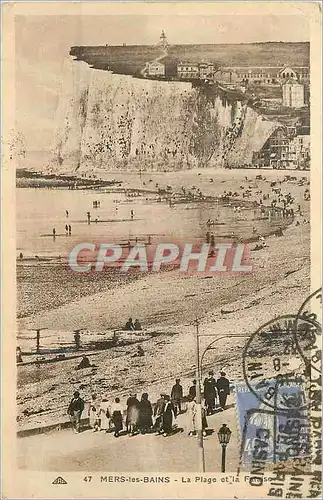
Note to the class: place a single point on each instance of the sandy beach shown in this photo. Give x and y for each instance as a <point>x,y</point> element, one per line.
<point>167,302</point>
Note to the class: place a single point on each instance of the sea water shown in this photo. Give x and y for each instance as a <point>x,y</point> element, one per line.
<point>40,210</point>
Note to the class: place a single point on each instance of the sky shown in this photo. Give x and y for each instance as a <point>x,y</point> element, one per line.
<point>42,42</point>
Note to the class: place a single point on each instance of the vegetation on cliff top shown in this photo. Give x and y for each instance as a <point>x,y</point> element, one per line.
<point>132,59</point>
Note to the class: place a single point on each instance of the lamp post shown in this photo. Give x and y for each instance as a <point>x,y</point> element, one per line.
<point>201,459</point>
<point>224,436</point>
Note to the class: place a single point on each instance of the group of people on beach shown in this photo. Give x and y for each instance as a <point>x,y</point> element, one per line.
<point>140,416</point>
<point>131,326</point>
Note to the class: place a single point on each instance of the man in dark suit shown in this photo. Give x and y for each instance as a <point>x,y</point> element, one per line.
<point>74,410</point>
<point>210,393</point>
<point>177,395</point>
<point>192,390</point>
<point>223,387</point>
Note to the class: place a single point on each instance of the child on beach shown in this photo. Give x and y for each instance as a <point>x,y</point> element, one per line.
<point>94,413</point>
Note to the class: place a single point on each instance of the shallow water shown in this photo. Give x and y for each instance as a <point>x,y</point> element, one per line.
<point>41,210</point>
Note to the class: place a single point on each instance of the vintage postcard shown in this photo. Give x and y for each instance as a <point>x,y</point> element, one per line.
<point>161,187</point>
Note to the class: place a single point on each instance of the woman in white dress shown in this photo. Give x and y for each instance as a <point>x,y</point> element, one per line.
<point>191,416</point>
<point>94,413</point>
<point>105,414</point>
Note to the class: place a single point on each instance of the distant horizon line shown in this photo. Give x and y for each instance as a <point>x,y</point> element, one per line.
<point>178,44</point>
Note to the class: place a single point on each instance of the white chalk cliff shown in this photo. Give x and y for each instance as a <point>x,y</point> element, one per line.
<point>116,122</point>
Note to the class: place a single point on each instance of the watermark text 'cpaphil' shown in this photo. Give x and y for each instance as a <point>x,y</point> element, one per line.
<point>229,258</point>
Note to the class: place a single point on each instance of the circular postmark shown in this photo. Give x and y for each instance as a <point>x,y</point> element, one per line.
<point>311,305</point>
<point>310,310</point>
<point>275,365</point>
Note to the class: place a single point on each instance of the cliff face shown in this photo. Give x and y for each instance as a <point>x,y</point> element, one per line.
<point>118,122</point>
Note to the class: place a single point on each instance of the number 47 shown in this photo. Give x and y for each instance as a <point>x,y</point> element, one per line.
<point>87,479</point>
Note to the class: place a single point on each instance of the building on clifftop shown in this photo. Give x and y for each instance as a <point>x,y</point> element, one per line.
<point>293,94</point>
<point>156,69</point>
<point>187,70</point>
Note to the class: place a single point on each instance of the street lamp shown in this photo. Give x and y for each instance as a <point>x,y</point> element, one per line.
<point>224,436</point>
<point>209,347</point>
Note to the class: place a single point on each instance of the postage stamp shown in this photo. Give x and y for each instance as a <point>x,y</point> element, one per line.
<point>273,435</point>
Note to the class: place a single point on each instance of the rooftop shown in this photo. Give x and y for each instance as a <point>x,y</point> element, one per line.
<point>265,68</point>
<point>187,63</point>
<point>292,81</point>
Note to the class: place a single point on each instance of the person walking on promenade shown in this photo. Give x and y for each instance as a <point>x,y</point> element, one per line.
<point>74,411</point>
<point>145,414</point>
<point>116,411</point>
<point>223,387</point>
<point>158,414</point>
<point>66,228</point>
<point>204,419</point>
<point>94,413</point>
<point>210,392</point>
<point>177,396</point>
<point>132,414</point>
<point>192,390</point>
<point>168,416</point>
<point>191,416</point>
<point>105,414</point>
